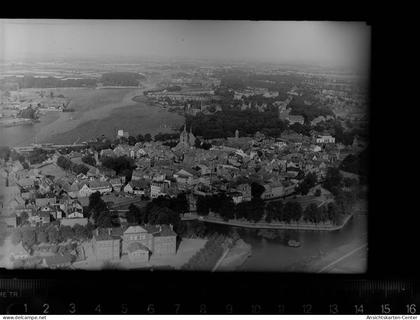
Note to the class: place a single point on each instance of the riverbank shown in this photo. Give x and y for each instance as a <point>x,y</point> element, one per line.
<point>90,105</point>
<point>14,122</point>
<point>264,225</point>
<point>96,112</point>
<point>137,119</point>
<point>317,250</point>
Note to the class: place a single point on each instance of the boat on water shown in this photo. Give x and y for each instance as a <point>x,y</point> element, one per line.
<point>293,243</point>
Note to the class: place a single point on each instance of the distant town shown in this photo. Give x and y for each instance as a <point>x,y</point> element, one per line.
<point>272,148</point>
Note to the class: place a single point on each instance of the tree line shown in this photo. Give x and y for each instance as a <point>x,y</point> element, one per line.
<point>29,81</point>
<point>162,210</point>
<point>121,78</point>
<point>223,124</point>
<point>357,164</point>
<point>122,165</point>
<point>67,164</point>
<point>309,112</point>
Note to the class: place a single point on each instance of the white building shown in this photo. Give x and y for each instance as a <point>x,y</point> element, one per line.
<point>325,139</point>
<point>272,191</point>
<point>122,133</point>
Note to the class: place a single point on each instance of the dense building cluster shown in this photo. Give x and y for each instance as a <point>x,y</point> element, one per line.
<point>49,187</point>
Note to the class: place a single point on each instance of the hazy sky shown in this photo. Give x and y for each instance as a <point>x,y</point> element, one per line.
<point>333,43</point>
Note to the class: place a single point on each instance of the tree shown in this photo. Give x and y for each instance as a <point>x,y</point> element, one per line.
<point>317,192</point>
<point>308,182</point>
<point>41,235</point>
<point>66,233</point>
<point>131,140</point>
<point>119,164</point>
<point>197,143</point>
<point>274,211</point>
<point>256,210</point>
<point>349,182</point>
<point>344,201</point>
<point>227,208</point>
<point>269,216</point>
<point>134,214</point>
<point>24,218</point>
<point>96,206</point>
<point>90,227</point>
<point>147,137</point>
<point>28,236</point>
<point>89,159</point>
<point>333,212</point>
<point>80,232</point>
<point>311,213</point>
<point>203,207</point>
<point>292,211</point>
<point>53,235</point>
<point>104,220</point>
<point>16,236</point>
<point>63,162</point>
<point>180,203</point>
<point>5,153</point>
<point>67,164</point>
<point>323,213</point>
<point>243,210</point>
<point>333,180</point>
<point>256,190</point>
<point>158,214</point>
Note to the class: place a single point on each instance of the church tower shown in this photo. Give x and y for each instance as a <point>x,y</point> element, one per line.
<point>191,138</point>
<point>183,137</point>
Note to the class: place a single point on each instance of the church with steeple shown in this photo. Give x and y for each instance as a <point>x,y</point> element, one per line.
<point>186,139</point>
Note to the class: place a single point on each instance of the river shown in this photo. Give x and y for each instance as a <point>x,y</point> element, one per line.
<point>97,112</point>
<point>25,134</point>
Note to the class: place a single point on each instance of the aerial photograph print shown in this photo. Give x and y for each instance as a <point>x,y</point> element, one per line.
<point>184,145</point>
